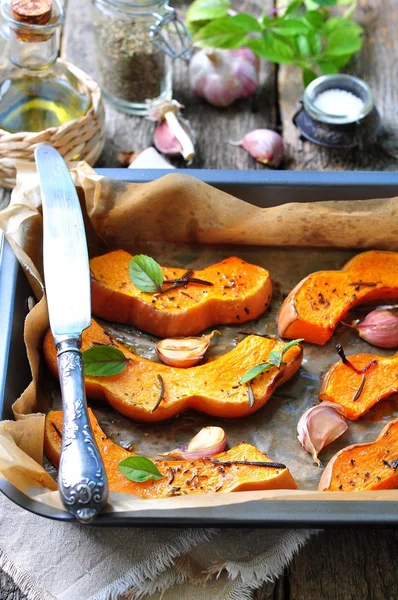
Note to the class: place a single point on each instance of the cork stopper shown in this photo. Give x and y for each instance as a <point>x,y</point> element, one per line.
<point>31,12</point>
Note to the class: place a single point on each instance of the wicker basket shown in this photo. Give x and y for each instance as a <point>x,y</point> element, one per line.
<point>81,139</point>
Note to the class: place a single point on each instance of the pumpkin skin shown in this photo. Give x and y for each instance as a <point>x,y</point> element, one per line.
<point>341,383</point>
<point>240,292</point>
<point>361,467</point>
<point>321,300</point>
<point>212,387</point>
<point>182,477</point>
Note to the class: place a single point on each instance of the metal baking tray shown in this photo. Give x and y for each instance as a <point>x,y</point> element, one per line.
<point>262,188</point>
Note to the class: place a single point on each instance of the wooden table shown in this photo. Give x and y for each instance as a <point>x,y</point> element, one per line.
<point>336,565</point>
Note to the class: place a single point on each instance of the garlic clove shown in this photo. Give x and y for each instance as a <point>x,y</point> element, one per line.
<point>265,145</point>
<point>208,442</point>
<point>183,352</point>
<point>173,134</point>
<point>319,426</point>
<point>380,328</point>
<point>165,141</point>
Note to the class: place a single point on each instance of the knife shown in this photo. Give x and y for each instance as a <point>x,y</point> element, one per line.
<point>82,480</point>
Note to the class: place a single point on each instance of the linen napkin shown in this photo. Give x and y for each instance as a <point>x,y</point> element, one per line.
<point>50,560</point>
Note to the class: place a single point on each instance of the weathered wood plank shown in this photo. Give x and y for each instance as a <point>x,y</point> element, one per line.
<point>346,565</point>
<point>376,64</point>
<point>213,126</point>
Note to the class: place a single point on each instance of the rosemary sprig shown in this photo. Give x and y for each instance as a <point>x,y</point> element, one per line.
<point>348,363</point>
<point>360,389</point>
<point>250,463</point>
<point>275,359</point>
<point>161,392</point>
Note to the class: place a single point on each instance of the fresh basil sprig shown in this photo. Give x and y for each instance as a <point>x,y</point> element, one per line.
<point>139,469</point>
<point>304,35</point>
<point>275,359</point>
<point>146,274</point>
<point>103,361</point>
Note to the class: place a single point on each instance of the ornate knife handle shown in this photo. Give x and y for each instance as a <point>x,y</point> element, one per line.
<point>82,480</point>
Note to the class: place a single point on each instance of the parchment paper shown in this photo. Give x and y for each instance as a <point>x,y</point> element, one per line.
<point>151,218</point>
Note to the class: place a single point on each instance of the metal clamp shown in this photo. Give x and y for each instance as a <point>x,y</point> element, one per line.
<point>169,24</point>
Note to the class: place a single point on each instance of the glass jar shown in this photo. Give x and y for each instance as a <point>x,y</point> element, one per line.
<point>134,58</point>
<point>36,90</point>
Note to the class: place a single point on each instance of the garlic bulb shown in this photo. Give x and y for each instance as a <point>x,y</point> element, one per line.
<point>380,328</point>
<point>183,352</point>
<point>319,426</point>
<point>265,145</point>
<point>223,76</point>
<point>208,442</point>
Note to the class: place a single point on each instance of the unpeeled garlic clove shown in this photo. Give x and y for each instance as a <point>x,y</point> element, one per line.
<point>380,328</point>
<point>319,426</point>
<point>208,442</point>
<point>264,145</point>
<point>173,134</point>
<point>183,352</point>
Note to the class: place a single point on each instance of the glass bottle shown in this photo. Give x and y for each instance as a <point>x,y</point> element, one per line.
<point>36,90</point>
<point>134,53</point>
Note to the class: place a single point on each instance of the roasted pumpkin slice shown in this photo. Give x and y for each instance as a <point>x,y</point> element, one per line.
<point>360,467</point>
<point>373,378</point>
<point>238,292</point>
<point>213,388</point>
<point>315,306</point>
<point>181,477</point>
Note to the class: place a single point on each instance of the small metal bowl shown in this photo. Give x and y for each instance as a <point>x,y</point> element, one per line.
<point>338,131</point>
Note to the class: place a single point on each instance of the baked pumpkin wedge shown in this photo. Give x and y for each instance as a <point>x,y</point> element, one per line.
<point>372,466</point>
<point>317,304</point>
<point>239,291</point>
<point>181,477</point>
<point>212,388</point>
<point>357,388</point>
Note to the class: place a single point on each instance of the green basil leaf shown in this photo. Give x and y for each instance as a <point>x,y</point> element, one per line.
<point>308,76</point>
<point>139,469</point>
<point>290,344</point>
<point>257,370</point>
<point>302,46</point>
<point>315,43</point>
<point>146,274</point>
<point>341,44</point>
<point>328,68</point>
<point>325,2</point>
<point>271,48</point>
<point>314,18</point>
<point>205,10</point>
<point>341,61</point>
<point>338,23</point>
<point>221,33</point>
<point>293,6</point>
<point>246,22</point>
<point>103,361</point>
<point>291,27</point>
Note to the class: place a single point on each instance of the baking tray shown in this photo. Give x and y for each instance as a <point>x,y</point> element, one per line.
<point>262,188</point>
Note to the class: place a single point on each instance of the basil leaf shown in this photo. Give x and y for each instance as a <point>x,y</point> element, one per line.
<point>246,22</point>
<point>205,10</point>
<point>293,6</point>
<point>103,361</point>
<point>146,274</point>
<point>314,18</point>
<point>302,46</point>
<point>221,33</point>
<point>325,2</point>
<point>308,76</point>
<point>271,48</point>
<point>139,469</point>
<point>340,43</point>
<point>328,68</point>
<point>291,27</point>
<point>334,23</point>
<point>315,42</point>
<point>290,344</point>
<point>257,370</point>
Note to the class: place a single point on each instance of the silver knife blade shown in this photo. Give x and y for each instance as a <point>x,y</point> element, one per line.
<point>65,256</point>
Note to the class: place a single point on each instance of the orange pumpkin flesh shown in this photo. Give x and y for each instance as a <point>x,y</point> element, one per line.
<point>319,302</point>
<point>342,384</point>
<point>240,292</point>
<point>199,476</point>
<point>361,467</point>
<point>212,388</point>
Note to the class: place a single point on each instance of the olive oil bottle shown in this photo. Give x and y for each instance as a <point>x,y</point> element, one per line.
<point>36,90</point>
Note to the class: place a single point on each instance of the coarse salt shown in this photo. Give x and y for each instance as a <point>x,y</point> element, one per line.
<point>340,103</point>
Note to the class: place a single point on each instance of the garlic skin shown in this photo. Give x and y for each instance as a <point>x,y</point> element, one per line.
<point>173,134</point>
<point>183,352</point>
<point>380,328</point>
<point>208,442</point>
<point>264,145</point>
<point>319,426</point>
<point>223,76</point>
